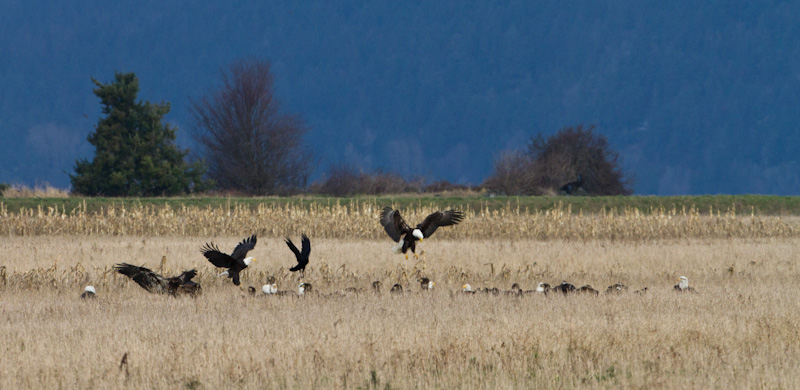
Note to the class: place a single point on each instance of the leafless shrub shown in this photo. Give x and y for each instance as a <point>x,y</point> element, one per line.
<point>513,174</point>
<point>249,145</point>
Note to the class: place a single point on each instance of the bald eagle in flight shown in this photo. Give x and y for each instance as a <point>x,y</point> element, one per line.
<point>301,255</point>
<point>235,262</point>
<point>157,284</point>
<point>398,229</point>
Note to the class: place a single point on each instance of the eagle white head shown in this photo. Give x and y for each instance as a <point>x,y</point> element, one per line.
<point>248,260</point>
<point>301,289</point>
<point>431,284</point>
<point>269,288</point>
<point>540,287</point>
<point>466,288</point>
<point>684,283</point>
<point>418,234</point>
<point>89,289</point>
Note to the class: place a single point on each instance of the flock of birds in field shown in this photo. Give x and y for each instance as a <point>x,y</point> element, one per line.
<point>394,225</point>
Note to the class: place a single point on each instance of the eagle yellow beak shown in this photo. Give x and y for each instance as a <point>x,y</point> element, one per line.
<point>253,260</point>
<point>420,240</point>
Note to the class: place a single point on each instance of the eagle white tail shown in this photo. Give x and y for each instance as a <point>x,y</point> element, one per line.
<point>397,249</point>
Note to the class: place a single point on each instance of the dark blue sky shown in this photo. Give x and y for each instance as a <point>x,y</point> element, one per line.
<point>696,98</point>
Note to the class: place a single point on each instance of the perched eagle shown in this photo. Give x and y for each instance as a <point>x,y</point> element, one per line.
<point>157,284</point>
<point>683,285</point>
<point>616,288</point>
<point>588,289</point>
<point>301,255</point>
<point>564,288</point>
<point>396,289</point>
<point>426,284</point>
<point>88,293</point>
<point>543,288</point>
<point>397,228</point>
<point>235,262</point>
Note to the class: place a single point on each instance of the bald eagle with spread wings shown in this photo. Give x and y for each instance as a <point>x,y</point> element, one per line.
<point>406,237</point>
<point>157,284</point>
<point>235,262</point>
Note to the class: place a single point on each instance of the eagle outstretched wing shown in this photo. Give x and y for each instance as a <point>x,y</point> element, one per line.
<point>245,246</point>
<point>144,277</point>
<point>216,257</point>
<point>393,223</point>
<point>439,218</point>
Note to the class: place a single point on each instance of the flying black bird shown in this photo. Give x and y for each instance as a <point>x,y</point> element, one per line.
<point>302,255</point>
<point>235,262</point>
<point>88,293</point>
<point>157,284</point>
<point>397,228</point>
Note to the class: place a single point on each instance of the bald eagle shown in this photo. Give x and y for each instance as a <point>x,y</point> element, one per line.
<point>301,255</point>
<point>564,287</point>
<point>235,262</point>
<point>397,228</point>
<point>683,285</point>
<point>467,289</point>
<point>88,293</point>
<point>426,284</point>
<point>616,288</point>
<point>588,289</point>
<point>157,284</point>
<point>396,289</point>
<point>543,288</point>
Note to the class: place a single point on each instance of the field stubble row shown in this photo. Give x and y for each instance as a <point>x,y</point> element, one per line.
<point>359,219</point>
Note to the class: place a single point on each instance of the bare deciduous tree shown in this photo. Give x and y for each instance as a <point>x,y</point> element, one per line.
<point>249,145</point>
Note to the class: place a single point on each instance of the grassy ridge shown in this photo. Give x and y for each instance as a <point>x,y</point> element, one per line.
<point>761,204</point>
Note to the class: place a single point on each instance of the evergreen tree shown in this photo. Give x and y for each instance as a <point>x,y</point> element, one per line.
<point>135,154</point>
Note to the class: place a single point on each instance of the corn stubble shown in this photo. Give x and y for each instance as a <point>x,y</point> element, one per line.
<point>738,331</point>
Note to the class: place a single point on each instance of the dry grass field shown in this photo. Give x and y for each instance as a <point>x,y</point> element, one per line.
<point>740,330</point>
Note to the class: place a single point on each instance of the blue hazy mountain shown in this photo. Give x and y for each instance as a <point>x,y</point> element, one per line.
<point>697,97</point>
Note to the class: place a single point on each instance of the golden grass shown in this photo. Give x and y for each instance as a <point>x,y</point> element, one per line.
<point>359,219</point>
<point>38,191</point>
<point>739,331</point>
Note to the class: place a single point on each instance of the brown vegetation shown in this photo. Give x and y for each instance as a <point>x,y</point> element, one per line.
<point>359,219</point>
<point>736,332</point>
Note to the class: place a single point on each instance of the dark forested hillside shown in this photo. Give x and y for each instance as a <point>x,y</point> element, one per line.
<point>696,97</point>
